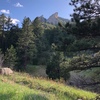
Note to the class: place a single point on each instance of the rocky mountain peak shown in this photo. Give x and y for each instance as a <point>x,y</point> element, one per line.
<point>42,19</point>
<point>53,19</point>
<point>55,15</point>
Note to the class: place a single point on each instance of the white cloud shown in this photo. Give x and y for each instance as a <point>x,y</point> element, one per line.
<point>99,2</point>
<point>5,11</point>
<point>18,5</point>
<point>15,21</point>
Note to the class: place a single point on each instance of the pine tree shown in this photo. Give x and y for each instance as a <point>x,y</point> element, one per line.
<point>39,40</point>
<point>10,57</point>
<point>53,66</point>
<point>37,29</point>
<point>85,9</point>
<point>26,43</point>
<point>5,25</point>
<point>1,58</point>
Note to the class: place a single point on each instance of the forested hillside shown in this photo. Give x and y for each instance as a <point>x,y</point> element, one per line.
<point>65,49</point>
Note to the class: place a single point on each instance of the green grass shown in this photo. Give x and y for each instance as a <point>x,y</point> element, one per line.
<point>17,92</point>
<point>37,71</point>
<point>92,73</point>
<point>21,86</point>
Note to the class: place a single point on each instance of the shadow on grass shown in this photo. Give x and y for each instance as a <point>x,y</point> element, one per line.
<point>35,97</point>
<point>12,96</point>
<point>7,96</point>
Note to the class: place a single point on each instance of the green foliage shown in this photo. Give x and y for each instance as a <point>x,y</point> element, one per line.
<point>26,43</point>
<point>60,38</point>
<point>12,36</point>
<point>37,27</point>
<point>83,44</point>
<point>83,62</point>
<point>53,66</point>
<point>10,57</point>
<point>39,42</point>
<point>37,70</point>
<point>84,17</point>
<point>5,25</point>
<point>85,9</point>
<point>1,58</point>
<point>47,26</point>
<point>64,72</point>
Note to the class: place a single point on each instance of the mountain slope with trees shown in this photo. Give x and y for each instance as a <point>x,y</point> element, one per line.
<point>62,48</point>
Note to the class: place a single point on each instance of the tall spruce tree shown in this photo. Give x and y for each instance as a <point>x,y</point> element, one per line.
<point>53,66</point>
<point>25,43</point>
<point>10,59</point>
<point>37,28</point>
<point>5,25</point>
<point>39,40</point>
<point>2,28</point>
<point>1,58</point>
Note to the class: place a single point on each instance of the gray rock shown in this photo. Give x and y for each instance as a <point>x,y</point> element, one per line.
<point>6,71</point>
<point>53,19</point>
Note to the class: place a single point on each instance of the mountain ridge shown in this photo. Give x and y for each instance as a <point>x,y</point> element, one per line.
<point>53,19</point>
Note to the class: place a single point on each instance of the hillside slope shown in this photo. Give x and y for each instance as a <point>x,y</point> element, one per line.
<point>21,86</point>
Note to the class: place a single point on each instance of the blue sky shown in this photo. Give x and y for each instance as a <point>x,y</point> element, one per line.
<point>18,9</point>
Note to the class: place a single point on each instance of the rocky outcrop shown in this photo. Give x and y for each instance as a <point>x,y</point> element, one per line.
<point>42,19</point>
<point>53,19</point>
<point>6,71</point>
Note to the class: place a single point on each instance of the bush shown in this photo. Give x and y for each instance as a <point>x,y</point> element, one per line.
<point>53,68</point>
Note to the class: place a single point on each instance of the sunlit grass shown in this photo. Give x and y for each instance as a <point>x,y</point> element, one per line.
<point>13,91</point>
<point>22,86</point>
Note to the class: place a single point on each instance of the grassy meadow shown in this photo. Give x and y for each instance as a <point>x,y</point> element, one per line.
<point>22,86</point>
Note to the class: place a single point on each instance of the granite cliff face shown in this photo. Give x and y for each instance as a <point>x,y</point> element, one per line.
<point>42,19</point>
<point>53,19</point>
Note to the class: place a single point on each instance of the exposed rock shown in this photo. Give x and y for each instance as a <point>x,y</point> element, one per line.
<point>53,19</point>
<point>6,71</point>
<point>42,19</point>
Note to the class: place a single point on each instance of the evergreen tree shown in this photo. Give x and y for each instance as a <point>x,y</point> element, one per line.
<point>86,13</point>
<point>82,37</point>
<point>53,66</point>
<point>10,57</point>
<point>53,69</point>
<point>37,28</point>
<point>85,9</point>
<point>1,58</point>
<point>2,26</point>
<point>26,43</point>
<point>12,36</point>
<point>39,41</point>
<point>5,25</point>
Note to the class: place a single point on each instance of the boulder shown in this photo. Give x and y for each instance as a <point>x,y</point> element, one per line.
<point>6,71</point>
